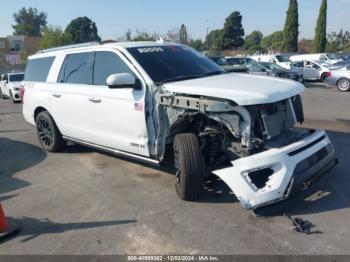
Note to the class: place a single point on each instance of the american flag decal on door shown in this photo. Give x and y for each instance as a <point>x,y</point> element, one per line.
<point>138,107</point>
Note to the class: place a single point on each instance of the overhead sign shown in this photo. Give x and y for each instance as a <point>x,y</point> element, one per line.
<point>13,59</point>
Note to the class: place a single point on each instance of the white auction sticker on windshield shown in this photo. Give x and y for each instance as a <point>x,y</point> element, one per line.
<point>150,50</point>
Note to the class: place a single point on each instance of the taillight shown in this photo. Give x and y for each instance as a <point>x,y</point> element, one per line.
<point>21,92</point>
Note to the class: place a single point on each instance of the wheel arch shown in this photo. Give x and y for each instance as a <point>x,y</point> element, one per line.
<point>38,110</point>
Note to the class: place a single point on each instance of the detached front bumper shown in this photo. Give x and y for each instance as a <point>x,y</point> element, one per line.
<point>274,175</point>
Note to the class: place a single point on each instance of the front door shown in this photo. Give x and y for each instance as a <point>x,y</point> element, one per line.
<point>92,112</point>
<point>310,72</point>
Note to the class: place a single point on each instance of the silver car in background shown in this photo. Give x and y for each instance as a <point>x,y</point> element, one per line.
<point>340,78</point>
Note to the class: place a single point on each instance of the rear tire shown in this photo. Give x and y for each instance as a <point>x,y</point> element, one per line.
<point>343,85</point>
<point>189,165</point>
<point>49,136</point>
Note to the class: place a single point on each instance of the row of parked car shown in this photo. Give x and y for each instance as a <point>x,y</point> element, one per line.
<point>333,68</point>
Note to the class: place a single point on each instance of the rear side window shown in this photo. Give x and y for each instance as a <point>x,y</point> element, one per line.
<point>38,69</point>
<point>106,64</point>
<point>76,69</point>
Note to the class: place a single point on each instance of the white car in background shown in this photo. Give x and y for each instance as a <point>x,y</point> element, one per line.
<point>280,60</point>
<point>329,58</point>
<point>10,86</point>
<point>311,70</point>
<point>161,103</point>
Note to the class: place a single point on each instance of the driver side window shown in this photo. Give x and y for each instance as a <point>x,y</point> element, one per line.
<point>315,66</point>
<point>108,63</point>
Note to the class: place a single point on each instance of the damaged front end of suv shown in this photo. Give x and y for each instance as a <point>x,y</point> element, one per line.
<point>241,127</point>
<point>256,149</point>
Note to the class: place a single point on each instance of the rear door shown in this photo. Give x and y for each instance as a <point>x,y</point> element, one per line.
<point>68,97</point>
<point>310,71</point>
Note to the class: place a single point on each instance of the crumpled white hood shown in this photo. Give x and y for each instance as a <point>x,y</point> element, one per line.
<point>243,89</point>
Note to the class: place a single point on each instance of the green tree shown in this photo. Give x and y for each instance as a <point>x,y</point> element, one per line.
<point>144,36</point>
<point>183,34</point>
<point>320,40</point>
<point>211,37</point>
<point>29,22</point>
<point>196,44</point>
<point>219,40</point>
<point>273,42</point>
<point>252,42</point>
<point>337,42</point>
<point>82,30</point>
<point>233,32</point>
<point>291,28</point>
<point>54,37</point>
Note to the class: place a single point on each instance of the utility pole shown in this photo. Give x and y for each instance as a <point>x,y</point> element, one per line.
<point>92,30</point>
<point>213,29</point>
<point>207,38</point>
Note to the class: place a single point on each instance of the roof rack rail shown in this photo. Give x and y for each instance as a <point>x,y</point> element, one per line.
<point>68,47</point>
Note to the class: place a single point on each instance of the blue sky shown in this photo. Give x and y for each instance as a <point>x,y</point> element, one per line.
<point>114,17</point>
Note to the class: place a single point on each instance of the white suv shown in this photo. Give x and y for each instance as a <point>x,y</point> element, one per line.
<point>161,102</point>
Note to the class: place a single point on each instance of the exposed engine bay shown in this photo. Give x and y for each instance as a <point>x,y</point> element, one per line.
<point>230,132</point>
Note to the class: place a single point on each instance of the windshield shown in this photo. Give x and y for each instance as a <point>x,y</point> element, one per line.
<point>239,61</point>
<point>234,61</point>
<point>272,66</point>
<point>342,63</point>
<point>255,67</point>
<point>333,56</point>
<point>16,78</point>
<point>219,60</point>
<point>173,63</point>
<point>282,58</point>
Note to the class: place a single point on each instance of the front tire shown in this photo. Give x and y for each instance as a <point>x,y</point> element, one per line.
<point>49,136</point>
<point>343,85</point>
<point>324,77</point>
<point>189,165</point>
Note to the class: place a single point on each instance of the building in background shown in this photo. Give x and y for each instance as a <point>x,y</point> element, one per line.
<point>14,51</point>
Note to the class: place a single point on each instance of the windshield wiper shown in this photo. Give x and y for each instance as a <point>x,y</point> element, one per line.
<point>215,73</point>
<point>180,78</point>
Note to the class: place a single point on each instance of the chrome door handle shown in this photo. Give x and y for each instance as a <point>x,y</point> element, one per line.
<point>95,100</point>
<point>57,95</point>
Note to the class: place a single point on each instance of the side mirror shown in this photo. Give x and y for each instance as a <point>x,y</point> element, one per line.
<point>122,80</point>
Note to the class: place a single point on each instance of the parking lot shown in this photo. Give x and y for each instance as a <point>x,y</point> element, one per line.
<point>87,202</point>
